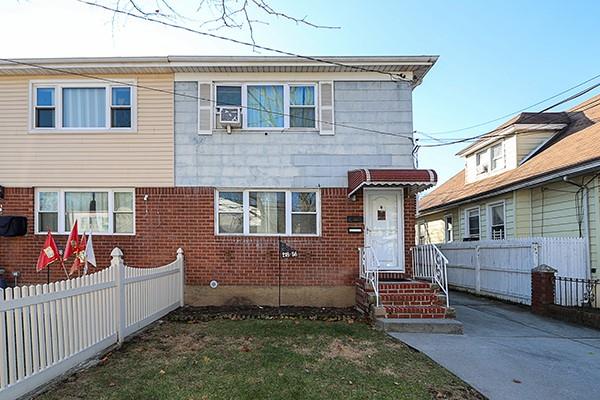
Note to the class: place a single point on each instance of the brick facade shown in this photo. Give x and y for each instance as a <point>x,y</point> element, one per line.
<point>184,217</point>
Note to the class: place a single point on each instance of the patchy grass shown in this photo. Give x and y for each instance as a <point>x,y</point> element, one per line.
<point>257,359</point>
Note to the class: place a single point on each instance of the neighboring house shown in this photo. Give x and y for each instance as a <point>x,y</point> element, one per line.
<point>536,175</point>
<point>226,157</point>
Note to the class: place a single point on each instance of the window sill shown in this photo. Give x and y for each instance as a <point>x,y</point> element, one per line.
<point>267,235</point>
<point>93,234</point>
<point>262,130</point>
<point>81,131</point>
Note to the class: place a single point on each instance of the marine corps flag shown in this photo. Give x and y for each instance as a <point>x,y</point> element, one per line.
<point>48,255</point>
<point>79,251</point>
<point>72,243</point>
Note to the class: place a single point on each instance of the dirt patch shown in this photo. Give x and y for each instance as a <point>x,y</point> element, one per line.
<point>243,312</point>
<point>355,352</point>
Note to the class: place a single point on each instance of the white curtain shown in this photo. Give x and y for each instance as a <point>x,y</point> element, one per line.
<point>84,107</point>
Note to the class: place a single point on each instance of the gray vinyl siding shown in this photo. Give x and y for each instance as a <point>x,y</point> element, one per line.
<point>298,159</point>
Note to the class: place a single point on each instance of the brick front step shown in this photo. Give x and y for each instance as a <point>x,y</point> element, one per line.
<point>415,316</point>
<point>415,309</point>
<point>410,299</point>
<point>415,325</point>
<point>405,285</point>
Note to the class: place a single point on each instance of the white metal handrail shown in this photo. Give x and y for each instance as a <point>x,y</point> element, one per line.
<point>430,263</point>
<point>369,269</point>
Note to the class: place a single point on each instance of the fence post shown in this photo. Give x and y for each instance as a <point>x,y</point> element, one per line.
<point>118,264</point>
<point>542,288</point>
<point>535,249</point>
<point>477,270</point>
<point>181,275</point>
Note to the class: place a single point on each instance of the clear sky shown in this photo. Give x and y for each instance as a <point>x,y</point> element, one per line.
<point>495,56</point>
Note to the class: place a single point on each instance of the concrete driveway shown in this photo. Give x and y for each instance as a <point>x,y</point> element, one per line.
<point>508,353</point>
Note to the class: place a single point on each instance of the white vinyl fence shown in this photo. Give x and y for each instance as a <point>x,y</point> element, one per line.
<point>502,268</point>
<point>45,330</point>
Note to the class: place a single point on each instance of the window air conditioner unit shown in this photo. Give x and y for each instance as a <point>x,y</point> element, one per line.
<point>230,117</point>
<point>482,169</point>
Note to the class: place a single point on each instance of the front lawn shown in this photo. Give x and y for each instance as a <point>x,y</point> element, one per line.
<point>263,359</point>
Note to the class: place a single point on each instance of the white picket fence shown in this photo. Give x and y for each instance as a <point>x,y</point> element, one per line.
<point>502,268</point>
<point>45,330</point>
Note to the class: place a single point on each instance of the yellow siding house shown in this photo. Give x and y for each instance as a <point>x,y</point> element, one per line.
<point>536,175</point>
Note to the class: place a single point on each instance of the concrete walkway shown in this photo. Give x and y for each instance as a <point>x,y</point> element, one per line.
<point>509,353</point>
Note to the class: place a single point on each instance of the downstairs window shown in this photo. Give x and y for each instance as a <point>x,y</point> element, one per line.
<point>267,212</point>
<point>97,211</point>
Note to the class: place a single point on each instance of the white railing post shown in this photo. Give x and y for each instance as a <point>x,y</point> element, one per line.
<point>120,306</point>
<point>181,275</point>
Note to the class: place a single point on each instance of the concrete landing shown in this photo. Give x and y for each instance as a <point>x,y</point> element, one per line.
<point>418,325</point>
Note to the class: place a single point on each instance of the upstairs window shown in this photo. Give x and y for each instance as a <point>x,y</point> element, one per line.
<point>45,108</point>
<point>265,106</point>
<point>481,161</point>
<point>82,106</point>
<point>497,155</point>
<point>490,159</point>
<point>302,107</point>
<point>472,223</point>
<point>270,106</point>
<point>120,108</point>
<point>497,228</point>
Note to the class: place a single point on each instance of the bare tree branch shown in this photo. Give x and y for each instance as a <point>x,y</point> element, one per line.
<point>214,14</point>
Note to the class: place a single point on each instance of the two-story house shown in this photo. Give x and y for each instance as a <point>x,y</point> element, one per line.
<point>534,176</point>
<point>230,158</point>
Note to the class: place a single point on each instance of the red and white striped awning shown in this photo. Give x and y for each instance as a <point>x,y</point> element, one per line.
<point>417,179</point>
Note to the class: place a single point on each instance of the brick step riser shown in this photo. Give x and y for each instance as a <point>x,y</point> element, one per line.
<point>415,310</point>
<point>384,286</point>
<point>411,304</point>
<point>417,316</point>
<point>408,291</point>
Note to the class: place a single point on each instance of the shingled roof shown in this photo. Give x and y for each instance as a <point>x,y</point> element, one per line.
<point>576,145</point>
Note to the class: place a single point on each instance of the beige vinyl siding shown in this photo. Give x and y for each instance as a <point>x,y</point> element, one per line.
<point>125,159</point>
<point>529,141</point>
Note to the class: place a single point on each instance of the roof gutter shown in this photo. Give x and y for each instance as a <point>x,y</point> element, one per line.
<point>525,183</point>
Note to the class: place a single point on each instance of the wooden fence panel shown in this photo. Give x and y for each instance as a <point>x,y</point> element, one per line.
<point>502,268</point>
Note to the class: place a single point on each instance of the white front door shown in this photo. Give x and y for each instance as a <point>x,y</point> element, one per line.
<point>384,233</point>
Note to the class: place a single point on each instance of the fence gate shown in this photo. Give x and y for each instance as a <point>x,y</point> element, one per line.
<point>502,268</point>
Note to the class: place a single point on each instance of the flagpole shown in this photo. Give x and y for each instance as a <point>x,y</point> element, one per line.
<point>48,274</point>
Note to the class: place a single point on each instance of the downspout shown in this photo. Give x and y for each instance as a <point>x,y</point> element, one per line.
<point>586,224</point>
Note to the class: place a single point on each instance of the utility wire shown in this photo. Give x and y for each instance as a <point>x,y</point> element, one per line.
<point>517,111</point>
<point>582,108</point>
<point>487,134</point>
<point>232,40</point>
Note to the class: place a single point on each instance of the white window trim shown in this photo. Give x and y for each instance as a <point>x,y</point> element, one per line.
<point>501,158</point>
<point>58,85</point>
<point>467,226</point>
<point>64,230</point>
<point>489,216</point>
<point>446,228</point>
<point>288,212</point>
<point>286,101</point>
<point>486,157</point>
